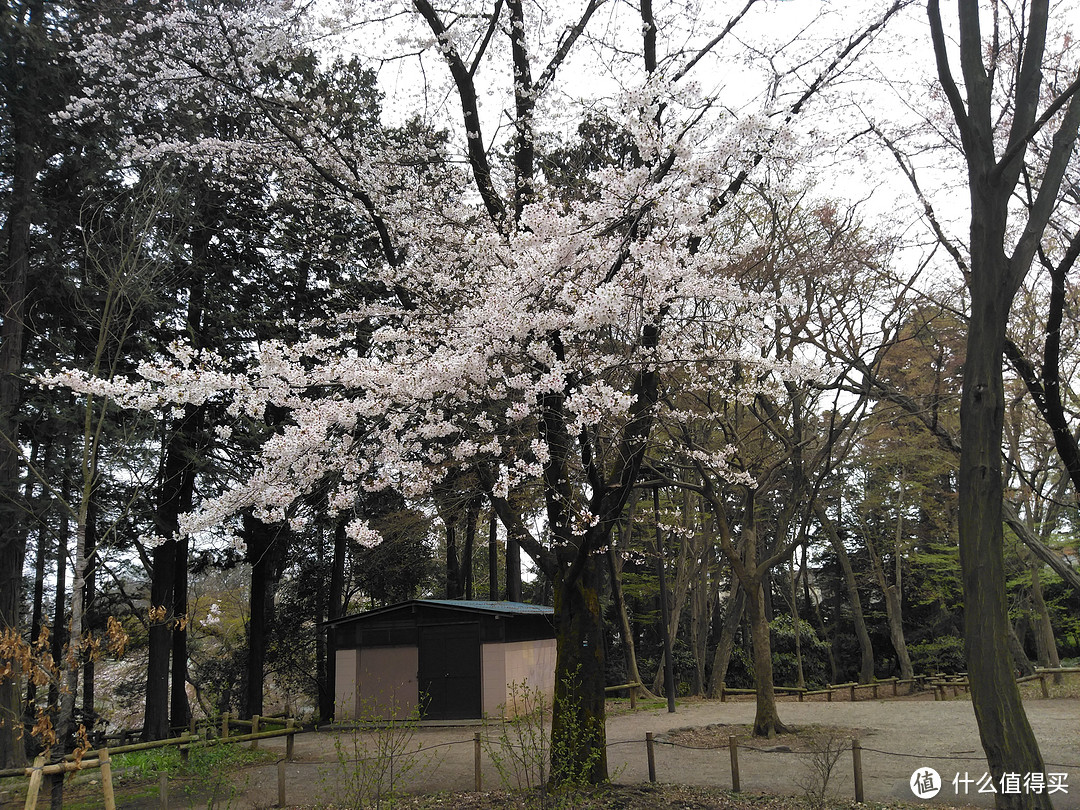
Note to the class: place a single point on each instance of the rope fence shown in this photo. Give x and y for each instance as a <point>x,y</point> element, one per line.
<point>480,742</point>
<point>100,758</point>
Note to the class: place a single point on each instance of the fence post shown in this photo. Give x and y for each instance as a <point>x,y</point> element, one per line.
<point>856,763</point>
<point>225,725</point>
<point>478,778</point>
<point>733,747</point>
<point>254,730</point>
<point>281,783</point>
<point>651,754</point>
<point>633,698</point>
<point>828,695</point>
<point>163,790</point>
<point>852,687</point>
<point>34,787</point>
<point>290,737</point>
<point>106,779</point>
<point>1042,683</point>
<point>185,751</point>
<point>723,694</point>
<point>191,723</point>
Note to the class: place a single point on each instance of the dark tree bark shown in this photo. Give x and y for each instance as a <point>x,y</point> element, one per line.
<point>453,567</point>
<point>40,561</point>
<point>866,650</point>
<point>162,582</point>
<point>465,573</point>
<point>334,609</point>
<point>493,557</point>
<point>722,655</point>
<point>513,570</point>
<point>994,277</point>
<point>265,549</point>
<point>24,43</point>
<point>179,710</point>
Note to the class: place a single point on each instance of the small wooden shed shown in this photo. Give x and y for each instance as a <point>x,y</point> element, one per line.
<point>463,657</point>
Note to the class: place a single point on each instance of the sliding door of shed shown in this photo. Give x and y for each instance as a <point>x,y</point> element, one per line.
<point>450,671</point>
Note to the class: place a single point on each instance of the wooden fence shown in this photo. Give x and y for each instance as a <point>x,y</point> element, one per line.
<point>101,758</point>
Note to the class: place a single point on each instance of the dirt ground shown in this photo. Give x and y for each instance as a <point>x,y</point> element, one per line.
<point>897,737</point>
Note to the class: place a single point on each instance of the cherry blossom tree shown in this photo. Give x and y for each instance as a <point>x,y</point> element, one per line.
<point>523,332</point>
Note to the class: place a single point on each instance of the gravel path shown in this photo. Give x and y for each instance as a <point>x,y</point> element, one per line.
<point>915,734</point>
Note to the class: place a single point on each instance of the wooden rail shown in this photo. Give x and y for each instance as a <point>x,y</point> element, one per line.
<point>633,687</point>
<point>185,743</point>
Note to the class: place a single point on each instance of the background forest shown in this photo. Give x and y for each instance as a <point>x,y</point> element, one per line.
<point>294,330</point>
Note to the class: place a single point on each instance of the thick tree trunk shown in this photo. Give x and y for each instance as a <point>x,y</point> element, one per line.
<point>1006,735</point>
<point>263,552</point>
<point>159,646</point>
<point>578,735</point>
<point>766,719</point>
<point>180,710</point>
<point>21,59</point>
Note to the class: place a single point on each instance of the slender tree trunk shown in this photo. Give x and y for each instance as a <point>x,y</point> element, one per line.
<point>1044,631</point>
<point>335,609</point>
<point>89,715</point>
<point>866,649</point>
<point>493,557</point>
<point>724,647</point>
<point>465,573</point>
<point>60,633</point>
<point>453,570</point>
<point>800,677</point>
<point>41,560</point>
<point>699,623</point>
<point>894,611</point>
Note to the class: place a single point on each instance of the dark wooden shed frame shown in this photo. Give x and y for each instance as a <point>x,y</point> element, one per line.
<point>464,657</point>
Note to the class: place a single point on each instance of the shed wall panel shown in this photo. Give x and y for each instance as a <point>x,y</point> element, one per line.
<point>511,667</point>
<point>346,679</point>
<point>387,679</point>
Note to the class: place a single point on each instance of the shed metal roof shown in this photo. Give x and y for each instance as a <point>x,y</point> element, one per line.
<point>469,605</point>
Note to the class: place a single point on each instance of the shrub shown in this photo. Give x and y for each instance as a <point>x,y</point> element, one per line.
<point>942,654</point>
